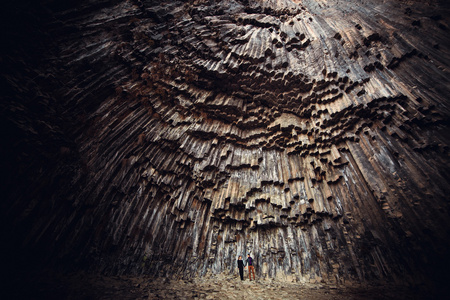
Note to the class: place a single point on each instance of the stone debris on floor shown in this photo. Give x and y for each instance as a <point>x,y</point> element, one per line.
<point>228,287</point>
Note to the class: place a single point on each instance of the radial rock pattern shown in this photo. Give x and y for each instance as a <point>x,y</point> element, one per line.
<point>311,134</point>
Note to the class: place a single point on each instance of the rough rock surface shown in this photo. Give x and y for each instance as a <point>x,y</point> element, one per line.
<point>88,286</point>
<point>168,137</point>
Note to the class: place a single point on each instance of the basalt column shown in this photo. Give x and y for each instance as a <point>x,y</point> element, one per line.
<point>169,137</point>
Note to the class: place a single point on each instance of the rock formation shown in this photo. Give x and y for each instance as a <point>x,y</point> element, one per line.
<point>169,137</point>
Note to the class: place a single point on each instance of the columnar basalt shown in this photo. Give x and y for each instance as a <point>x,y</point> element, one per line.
<point>179,135</point>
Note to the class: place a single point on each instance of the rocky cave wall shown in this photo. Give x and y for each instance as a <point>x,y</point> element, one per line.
<point>169,137</point>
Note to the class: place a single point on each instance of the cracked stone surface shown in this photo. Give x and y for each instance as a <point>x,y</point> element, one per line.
<point>168,137</point>
<point>222,286</point>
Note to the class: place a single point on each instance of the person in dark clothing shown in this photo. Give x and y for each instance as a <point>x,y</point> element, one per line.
<point>241,267</point>
<point>251,269</point>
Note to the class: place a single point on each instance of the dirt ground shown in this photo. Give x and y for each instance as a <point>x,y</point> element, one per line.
<point>83,286</point>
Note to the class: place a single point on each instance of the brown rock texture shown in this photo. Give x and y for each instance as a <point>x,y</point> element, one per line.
<point>94,286</point>
<point>169,137</point>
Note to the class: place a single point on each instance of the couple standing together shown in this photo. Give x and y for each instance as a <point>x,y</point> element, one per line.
<point>251,269</point>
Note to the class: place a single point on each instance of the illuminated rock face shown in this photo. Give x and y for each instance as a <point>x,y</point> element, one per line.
<point>311,134</point>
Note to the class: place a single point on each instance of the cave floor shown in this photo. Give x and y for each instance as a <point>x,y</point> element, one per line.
<point>87,286</point>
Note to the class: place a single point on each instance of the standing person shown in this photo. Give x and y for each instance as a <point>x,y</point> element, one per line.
<point>241,267</point>
<point>251,269</point>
